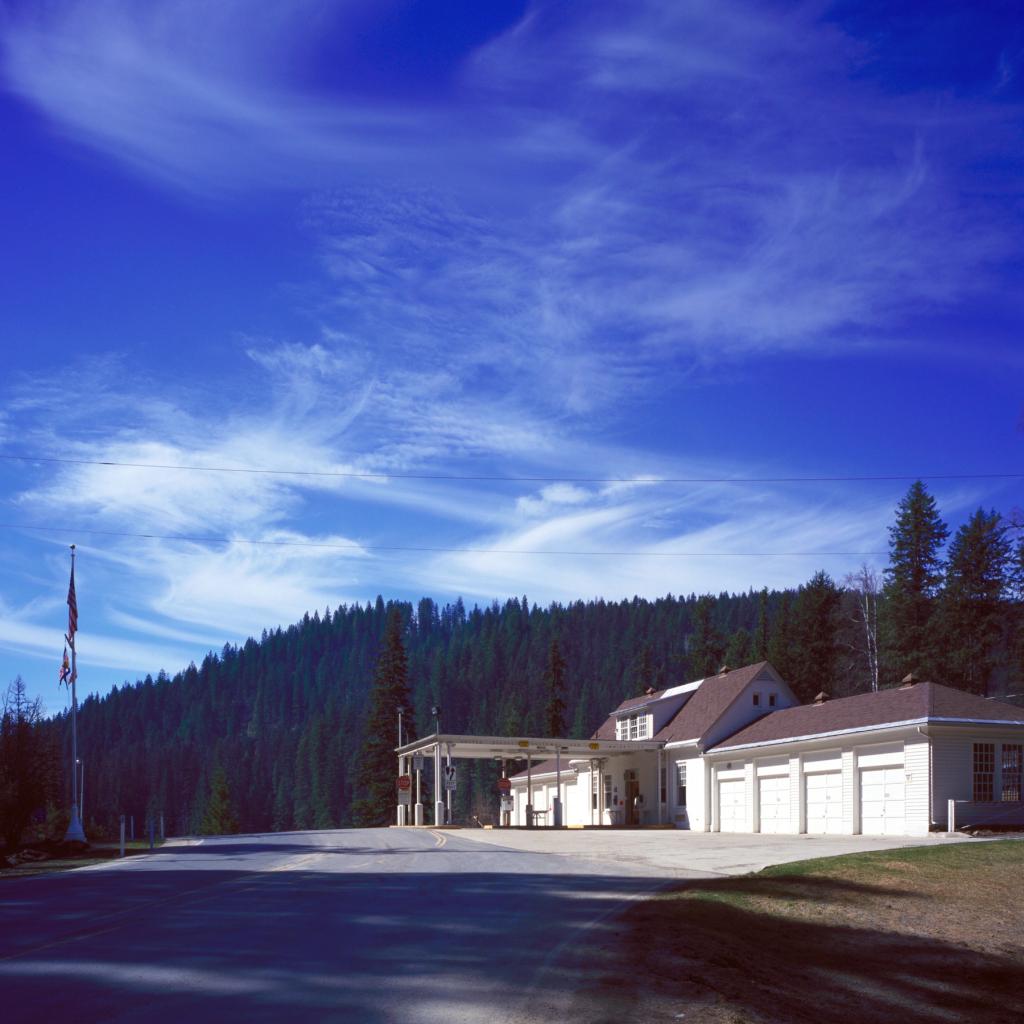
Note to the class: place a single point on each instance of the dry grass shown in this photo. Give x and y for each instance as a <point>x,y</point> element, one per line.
<point>924,934</point>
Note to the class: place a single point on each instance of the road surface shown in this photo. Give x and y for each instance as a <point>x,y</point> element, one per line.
<point>375,925</point>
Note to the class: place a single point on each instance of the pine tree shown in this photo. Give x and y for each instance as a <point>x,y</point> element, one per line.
<point>912,583</point>
<point>219,817</point>
<point>554,677</point>
<point>762,633</point>
<point>707,646</point>
<point>815,651</point>
<point>973,608</point>
<point>375,778</point>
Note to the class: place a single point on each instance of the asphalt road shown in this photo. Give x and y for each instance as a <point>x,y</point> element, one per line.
<point>363,926</point>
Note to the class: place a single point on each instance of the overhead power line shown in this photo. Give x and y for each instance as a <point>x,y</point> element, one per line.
<point>498,478</point>
<point>339,546</point>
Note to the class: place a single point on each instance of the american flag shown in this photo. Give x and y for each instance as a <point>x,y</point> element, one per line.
<point>72,607</point>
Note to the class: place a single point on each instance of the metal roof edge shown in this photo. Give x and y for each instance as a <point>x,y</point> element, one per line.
<point>879,727</point>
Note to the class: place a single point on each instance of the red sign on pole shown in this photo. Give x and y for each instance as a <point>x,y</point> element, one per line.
<point>504,785</point>
<point>404,782</point>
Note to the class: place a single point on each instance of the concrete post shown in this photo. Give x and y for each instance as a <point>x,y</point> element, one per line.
<point>438,786</point>
<point>447,791</point>
<point>556,815</point>
<point>951,816</point>
<point>122,835</point>
<point>529,791</point>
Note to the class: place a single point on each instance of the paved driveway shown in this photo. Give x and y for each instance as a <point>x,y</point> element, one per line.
<point>680,854</point>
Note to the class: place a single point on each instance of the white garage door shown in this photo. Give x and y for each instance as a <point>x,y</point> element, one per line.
<point>774,796</point>
<point>882,801</point>
<point>732,805</point>
<point>824,803</point>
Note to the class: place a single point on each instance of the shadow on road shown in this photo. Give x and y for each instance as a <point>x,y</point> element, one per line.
<point>191,944</point>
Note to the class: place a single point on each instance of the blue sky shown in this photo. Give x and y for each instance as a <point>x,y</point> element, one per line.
<point>548,242</point>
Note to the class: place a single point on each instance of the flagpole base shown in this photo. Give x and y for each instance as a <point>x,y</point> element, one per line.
<point>75,832</point>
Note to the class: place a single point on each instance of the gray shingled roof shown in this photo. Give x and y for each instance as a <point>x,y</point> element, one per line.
<point>902,704</point>
<point>708,703</point>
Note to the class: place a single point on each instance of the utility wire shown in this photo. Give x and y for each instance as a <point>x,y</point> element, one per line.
<point>437,550</point>
<point>495,478</point>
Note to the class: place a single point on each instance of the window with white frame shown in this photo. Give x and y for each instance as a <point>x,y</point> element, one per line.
<point>772,697</point>
<point>607,792</point>
<point>1013,761</point>
<point>757,700</point>
<point>633,727</point>
<point>680,784</point>
<point>984,772</point>
<point>593,790</point>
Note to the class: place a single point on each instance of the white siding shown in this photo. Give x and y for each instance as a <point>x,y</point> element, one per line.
<point>951,772</point>
<point>851,805</point>
<point>916,762</point>
<point>742,711</point>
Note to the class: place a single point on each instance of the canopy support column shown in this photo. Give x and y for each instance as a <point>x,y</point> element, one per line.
<point>529,790</point>
<point>438,784</point>
<point>557,810</point>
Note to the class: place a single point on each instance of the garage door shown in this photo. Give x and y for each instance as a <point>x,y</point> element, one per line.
<point>824,803</point>
<point>883,801</point>
<point>774,796</point>
<point>732,805</point>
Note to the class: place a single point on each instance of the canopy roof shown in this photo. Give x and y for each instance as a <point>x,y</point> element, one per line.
<point>490,747</point>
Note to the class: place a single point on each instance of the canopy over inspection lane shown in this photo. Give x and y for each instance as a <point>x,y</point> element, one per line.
<point>446,748</point>
<point>512,748</point>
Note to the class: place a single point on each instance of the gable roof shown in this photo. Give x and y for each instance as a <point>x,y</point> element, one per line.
<point>636,702</point>
<point>709,702</point>
<point>922,701</point>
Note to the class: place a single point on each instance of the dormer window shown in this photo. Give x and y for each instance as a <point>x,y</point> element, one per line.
<point>771,699</point>
<point>633,727</point>
<point>757,700</point>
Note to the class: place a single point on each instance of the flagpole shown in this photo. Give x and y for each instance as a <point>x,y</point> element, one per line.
<point>75,832</point>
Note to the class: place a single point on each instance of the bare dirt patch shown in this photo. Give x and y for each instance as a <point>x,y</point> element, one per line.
<point>924,934</point>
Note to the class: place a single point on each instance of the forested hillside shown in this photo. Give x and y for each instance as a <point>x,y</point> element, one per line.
<point>275,727</point>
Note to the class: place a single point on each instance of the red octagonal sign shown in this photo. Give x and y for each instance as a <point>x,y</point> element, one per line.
<point>404,782</point>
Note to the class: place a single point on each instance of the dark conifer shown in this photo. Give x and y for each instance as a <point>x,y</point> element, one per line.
<point>912,583</point>
<point>374,802</point>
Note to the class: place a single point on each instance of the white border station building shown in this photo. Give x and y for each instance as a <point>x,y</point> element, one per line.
<point>736,752</point>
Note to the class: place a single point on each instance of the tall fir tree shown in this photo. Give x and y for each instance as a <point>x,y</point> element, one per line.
<point>554,677</point>
<point>707,646</point>
<point>762,632</point>
<point>375,800</point>
<point>780,646</point>
<point>913,579</point>
<point>973,608</point>
<point>815,651</point>
<point>219,818</point>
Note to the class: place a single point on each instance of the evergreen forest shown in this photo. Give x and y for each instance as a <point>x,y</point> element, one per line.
<point>295,730</point>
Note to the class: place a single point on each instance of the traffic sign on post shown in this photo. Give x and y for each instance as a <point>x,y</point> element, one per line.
<point>404,783</point>
<point>449,776</point>
<point>504,785</point>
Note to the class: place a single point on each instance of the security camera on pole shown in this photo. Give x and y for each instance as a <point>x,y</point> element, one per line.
<point>75,832</point>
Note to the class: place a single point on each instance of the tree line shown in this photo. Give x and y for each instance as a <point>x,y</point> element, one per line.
<point>281,732</point>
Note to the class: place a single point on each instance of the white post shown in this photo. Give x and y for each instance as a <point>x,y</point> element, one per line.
<point>400,810</point>
<point>592,795</point>
<point>418,810</point>
<point>438,784</point>
<point>122,835</point>
<point>447,790</point>
<point>531,821</point>
<point>951,812</point>
<point>600,791</point>
<point>662,786</point>
<point>557,811</point>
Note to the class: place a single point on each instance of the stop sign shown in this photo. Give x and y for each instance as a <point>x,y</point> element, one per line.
<point>404,782</point>
<point>504,785</point>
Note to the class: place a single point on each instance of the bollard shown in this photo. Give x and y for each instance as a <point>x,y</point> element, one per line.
<point>133,827</point>
<point>151,829</point>
<point>122,835</point>
<point>162,836</point>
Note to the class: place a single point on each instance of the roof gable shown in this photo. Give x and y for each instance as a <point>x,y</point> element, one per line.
<point>710,701</point>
